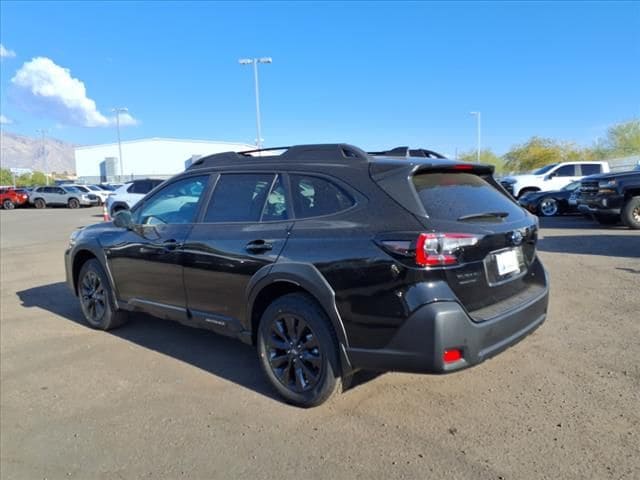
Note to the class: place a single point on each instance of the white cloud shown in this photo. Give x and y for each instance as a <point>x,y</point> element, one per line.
<point>6,53</point>
<point>5,121</point>
<point>49,89</point>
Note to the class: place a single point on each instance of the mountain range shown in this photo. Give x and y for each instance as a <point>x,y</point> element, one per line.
<point>26,152</point>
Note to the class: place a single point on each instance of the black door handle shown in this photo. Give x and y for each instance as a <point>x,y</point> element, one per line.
<point>258,246</point>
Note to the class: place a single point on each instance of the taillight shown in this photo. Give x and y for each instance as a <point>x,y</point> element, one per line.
<point>437,249</point>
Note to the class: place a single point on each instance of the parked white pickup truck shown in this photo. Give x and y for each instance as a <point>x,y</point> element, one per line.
<point>552,177</point>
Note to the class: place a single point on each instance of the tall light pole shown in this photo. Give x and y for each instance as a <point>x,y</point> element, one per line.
<point>118,111</point>
<point>43,132</point>
<point>478,116</point>
<point>255,62</point>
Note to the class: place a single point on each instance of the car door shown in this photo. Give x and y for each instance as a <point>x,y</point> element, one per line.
<point>56,196</point>
<point>244,228</point>
<point>146,260</point>
<point>561,177</point>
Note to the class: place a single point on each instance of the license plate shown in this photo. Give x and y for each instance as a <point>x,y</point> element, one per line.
<point>507,262</point>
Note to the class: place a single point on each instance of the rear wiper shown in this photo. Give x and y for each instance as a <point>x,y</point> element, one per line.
<point>483,215</point>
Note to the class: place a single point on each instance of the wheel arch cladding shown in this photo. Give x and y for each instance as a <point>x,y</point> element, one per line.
<point>80,258</point>
<point>281,279</point>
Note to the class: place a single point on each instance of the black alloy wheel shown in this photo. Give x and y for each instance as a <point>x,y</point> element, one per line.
<point>294,353</point>
<point>74,203</point>
<point>92,298</point>
<point>96,299</point>
<point>298,350</point>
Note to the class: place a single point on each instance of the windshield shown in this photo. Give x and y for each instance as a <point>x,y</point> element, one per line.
<point>94,188</point>
<point>71,189</point>
<point>544,169</point>
<point>572,186</point>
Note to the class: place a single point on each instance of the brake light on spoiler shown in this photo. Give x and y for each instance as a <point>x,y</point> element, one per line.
<point>440,249</point>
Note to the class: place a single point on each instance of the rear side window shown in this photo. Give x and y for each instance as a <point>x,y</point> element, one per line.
<point>591,169</point>
<point>315,196</point>
<point>450,196</point>
<point>239,198</point>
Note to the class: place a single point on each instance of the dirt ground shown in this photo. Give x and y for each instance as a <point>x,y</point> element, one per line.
<point>160,400</point>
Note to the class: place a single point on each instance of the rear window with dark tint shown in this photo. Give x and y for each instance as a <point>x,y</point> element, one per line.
<point>315,197</point>
<point>449,196</point>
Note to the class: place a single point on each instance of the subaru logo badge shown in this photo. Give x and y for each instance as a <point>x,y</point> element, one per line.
<point>516,237</point>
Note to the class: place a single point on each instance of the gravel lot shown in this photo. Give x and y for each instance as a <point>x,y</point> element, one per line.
<point>160,400</point>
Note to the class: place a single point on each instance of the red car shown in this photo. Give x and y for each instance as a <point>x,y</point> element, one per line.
<point>12,197</point>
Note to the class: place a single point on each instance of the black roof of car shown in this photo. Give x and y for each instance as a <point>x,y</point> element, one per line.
<point>327,154</point>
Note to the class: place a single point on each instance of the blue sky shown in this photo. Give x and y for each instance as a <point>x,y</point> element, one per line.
<point>373,74</point>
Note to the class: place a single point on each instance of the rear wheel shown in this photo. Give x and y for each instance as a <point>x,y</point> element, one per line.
<point>73,203</point>
<point>8,205</point>
<point>606,219</point>
<point>96,300</point>
<point>548,207</point>
<point>39,203</point>
<point>631,213</point>
<point>298,350</point>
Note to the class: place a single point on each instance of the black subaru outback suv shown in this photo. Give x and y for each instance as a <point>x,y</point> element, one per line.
<point>327,258</point>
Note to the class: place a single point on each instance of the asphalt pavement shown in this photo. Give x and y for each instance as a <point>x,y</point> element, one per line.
<point>157,400</point>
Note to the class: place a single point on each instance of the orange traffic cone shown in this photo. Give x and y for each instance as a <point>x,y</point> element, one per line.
<point>105,213</point>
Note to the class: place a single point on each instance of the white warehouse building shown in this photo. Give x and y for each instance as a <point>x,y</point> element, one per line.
<point>148,157</point>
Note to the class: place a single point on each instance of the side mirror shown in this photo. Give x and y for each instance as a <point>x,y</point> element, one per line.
<point>550,176</point>
<point>123,219</point>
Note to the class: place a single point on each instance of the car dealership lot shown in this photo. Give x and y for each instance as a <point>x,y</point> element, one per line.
<point>160,400</point>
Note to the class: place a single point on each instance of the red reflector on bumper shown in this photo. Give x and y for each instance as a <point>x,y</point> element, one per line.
<point>450,356</point>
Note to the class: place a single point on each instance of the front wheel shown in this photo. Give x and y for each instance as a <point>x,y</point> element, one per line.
<point>96,300</point>
<point>298,350</point>
<point>73,203</point>
<point>8,205</point>
<point>548,207</point>
<point>631,213</point>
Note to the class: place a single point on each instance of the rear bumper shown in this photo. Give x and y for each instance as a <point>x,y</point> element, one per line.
<point>419,344</point>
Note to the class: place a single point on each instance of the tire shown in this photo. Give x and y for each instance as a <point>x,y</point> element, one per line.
<point>8,205</point>
<point>606,219</point>
<point>96,299</point>
<point>39,203</point>
<point>631,213</point>
<point>73,203</point>
<point>548,207</point>
<point>302,365</point>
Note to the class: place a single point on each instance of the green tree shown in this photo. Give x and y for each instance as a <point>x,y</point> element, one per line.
<point>38,178</point>
<point>622,139</point>
<point>487,156</point>
<point>6,177</point>
<point>538,152</point>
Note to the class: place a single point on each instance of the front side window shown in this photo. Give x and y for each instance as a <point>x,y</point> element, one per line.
<point>239,198</point>
<point>315,197</point>
<point>566,171</point>
<point>177,203</point>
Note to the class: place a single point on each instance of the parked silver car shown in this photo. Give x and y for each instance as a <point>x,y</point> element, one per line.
<point>64,195</point>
